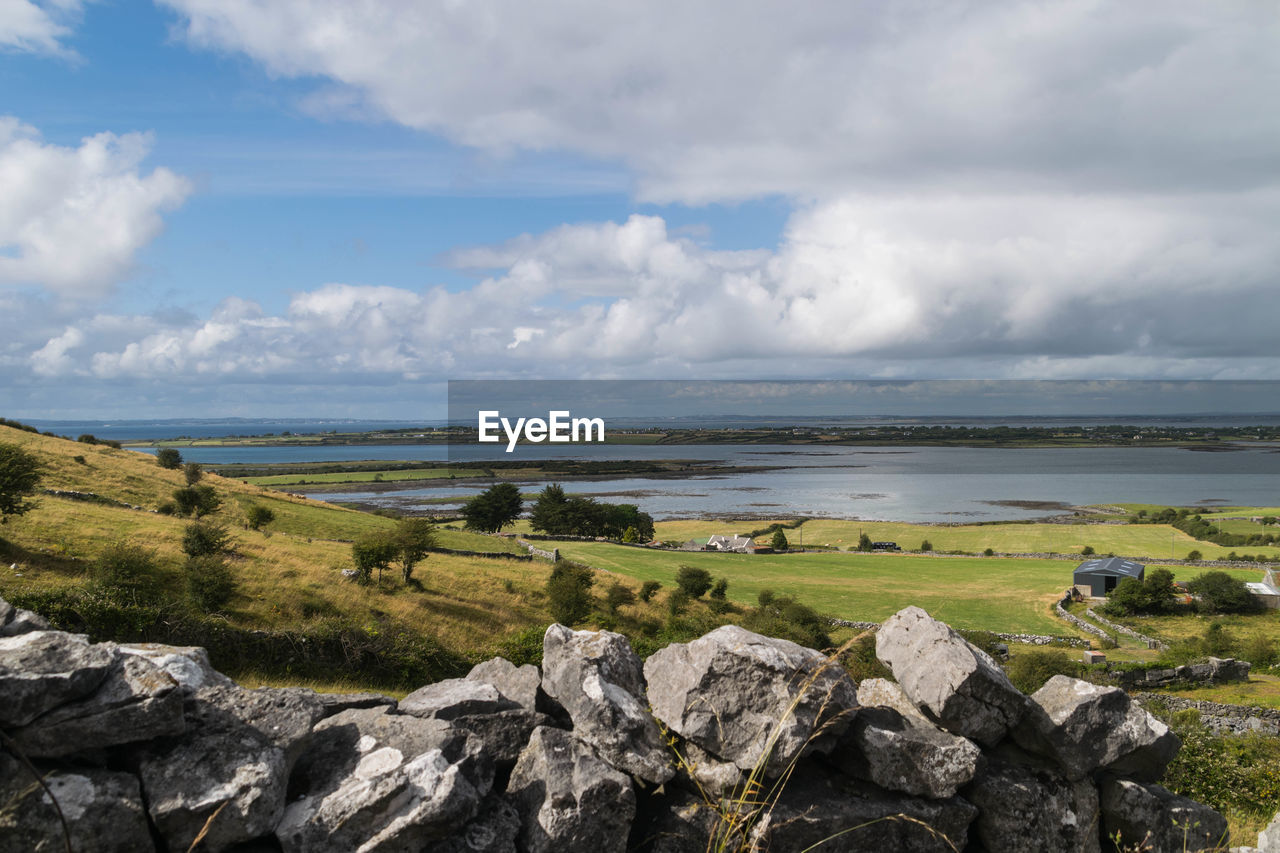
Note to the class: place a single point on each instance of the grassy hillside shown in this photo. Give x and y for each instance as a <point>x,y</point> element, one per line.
<point>288,576</point>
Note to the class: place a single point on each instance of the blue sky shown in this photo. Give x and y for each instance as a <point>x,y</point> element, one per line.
<point>329,212</point>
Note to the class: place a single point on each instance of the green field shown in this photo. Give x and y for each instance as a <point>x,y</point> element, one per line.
<point>363,477</point>
<point>993,594</point>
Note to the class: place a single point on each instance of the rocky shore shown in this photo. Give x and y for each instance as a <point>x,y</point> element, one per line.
<point>753,741</point>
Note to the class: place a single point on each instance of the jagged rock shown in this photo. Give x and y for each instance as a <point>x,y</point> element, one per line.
<point>955,683</point>
<point>455,697</point>
<point>504,734</point>
<point>135,702</point>
<point>599,680</point>
<point>15,620</point>
<point>857,817</point>
<point>731,690</point>
<point>906,753</point>
<point>236,758</point>
<point>568,799</point>
<point>1269,838</point>
<point>188,665</point>
<point>1085,727</point>
<point>681,823</point>
<point>336,703</point>
<point>493,830</point>
<point>1162,821</point>
<point>40,670</point>
<point>519,684</point>
<point>1028,808</point>
<point>376,781</point>
<point>883,693</point>
<point>702,771</point>
<point>102,808</point>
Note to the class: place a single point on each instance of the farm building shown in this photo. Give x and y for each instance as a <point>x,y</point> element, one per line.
<point>740,544</point>
<point>1267,592</point>
<point>1099,577</point>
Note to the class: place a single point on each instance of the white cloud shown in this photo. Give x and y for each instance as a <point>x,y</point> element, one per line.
<point>72,219</point>
<point>714,100</point>
<point>37,27</point>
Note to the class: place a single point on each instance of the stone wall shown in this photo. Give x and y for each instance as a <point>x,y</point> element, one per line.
<point>1025,639</point>
<point>1238,719</point>
<point>1071,618</point>
<point>553,555</point>
<point>1214,671</point>
<point>1151,642</point>
<point>149,748</point>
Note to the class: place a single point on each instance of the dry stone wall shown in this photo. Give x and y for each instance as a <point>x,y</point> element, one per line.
<point>149,748</point>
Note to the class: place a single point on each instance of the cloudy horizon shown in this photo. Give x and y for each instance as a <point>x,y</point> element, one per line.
<point>227,207</point>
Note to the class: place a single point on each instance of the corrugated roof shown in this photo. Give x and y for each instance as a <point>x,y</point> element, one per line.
<point>1115,566</point>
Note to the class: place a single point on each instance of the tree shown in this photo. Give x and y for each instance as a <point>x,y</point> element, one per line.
<point>204,539</point>
<point>20,473</point>
<point>926,545</point>
<point>693,581</point>
<point>864,542</point>
<point>631,536</point>
<point>1154,594</point>
<point>210,583</point>
<point>258,516</point>
<point>197,500</point>
<point>569,592</point>
<point>779,541</point>
<point>373,551</point>
<point>493,509</point>
<point>548,514</point>
<point>414,538</point>
<point>193,472</point>
<point>1194,556</point>
<point>1219,592</point>
<point>169,458</point>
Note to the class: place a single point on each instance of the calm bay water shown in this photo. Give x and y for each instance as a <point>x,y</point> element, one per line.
<point>921,484</point>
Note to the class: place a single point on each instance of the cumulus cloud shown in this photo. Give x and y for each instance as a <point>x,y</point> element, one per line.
<point>1030,287</point>
<point>37,27</point>
<point>714,100</point>
<point>72,219</point>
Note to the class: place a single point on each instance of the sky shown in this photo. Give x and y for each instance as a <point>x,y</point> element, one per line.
<point>272,208</point>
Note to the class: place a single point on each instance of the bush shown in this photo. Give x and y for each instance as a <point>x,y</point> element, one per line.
<point>1193,556</point>
<point>1152,595</point>
<point>693,581</point>
<point>861,662</point>
<point>197,500</point>
<point>720,589</point>
<point>167,508</point>
<point>1087,551</point>
<point>258,516</point>
<point>677,601</point>
<point>647,590</point>
<point>20,473</point>
<point>192,472</point>
<point>210,583</point>
<point>783,616</point>
<point>123,566</point>
<point>926,545</point>
<point>79,459</point>
<point>988,552</point>
<point>618,596</point>
<point>204,539</point>
<point>779,541</point>
<point>167,457</point>
<point>1219,592</point>
<point>1031,669</point>
<point>631,535</point>
<point>864,542</point>
<point>1227,772</point>
<point>373,551</point>
<point>569,592</point>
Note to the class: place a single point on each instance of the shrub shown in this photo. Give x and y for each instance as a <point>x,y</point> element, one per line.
<point>167,457</point>
<point>124,566</point>
<point>1194,556</point>
<point>677,601</point>
<point>192,472</point>
<point>1153,594</point>
<point>204,539</point>
<point>720,589</point>
<point>79,459</point>
<point>210,583</point>
<point>197,500</point>
<point>647,590</point>
<point>569,592</point>
<point>926,545</point>
<point>20,473</point>
<point>988,552</point>
<point>783,616</point>
<point>1087,551</point>
<point>631,535</point>
<point>1031,669</point>
<point>414,538</point>
<point>779,541</point>
<point>618,596</point>
<point>258,516</point>
<point>372,551</point>
<point>1219,592</point>
<point>167,508</point>
<point>864,542</point>
<point>693,581</point>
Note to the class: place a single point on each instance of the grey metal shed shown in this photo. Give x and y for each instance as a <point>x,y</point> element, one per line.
<point>1102,575</point>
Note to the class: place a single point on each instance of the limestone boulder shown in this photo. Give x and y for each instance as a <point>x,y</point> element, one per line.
<point>906,754</point>
<point>187,665</point>
<point>520,684</point>
<point>136,701</point>
<point>569,799</point>
<point>504,734</point>
<point>1086,727</point>
<point>1033,808</point>
<point>1269,838</point>
<point>455,697</point>
<point>750,699</point>
<point>15,620</point>
<point>600,682</point>
<point>1159,820</point>
<point>40,670</point>
<point>952,681</point>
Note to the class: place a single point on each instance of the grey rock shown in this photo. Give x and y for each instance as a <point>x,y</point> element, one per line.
<point>750,699</point>
<point>1085,727</point>
<point>188,665</point>
<point>1269,838</point>
<point>40,670</point>
<point>372,780</point>
<point>857,817</point>
<point>703,772</point>
<point>519,684</point>
<point>906,754</point>
<point>504,734</point>
<point>1033,808</point>
<point>103,811</point>
<point>493,830</point>
<point>568,799</point>
<point>135,702</point>
<point>1162,821</point>
<point>15,620</point>
<point>336,703</point>
<point>681,823</point>
<point>955,683</point>
<point>883,693</point>
<point>455,697</point>
<point>283,717</point>
<point>599,681</point>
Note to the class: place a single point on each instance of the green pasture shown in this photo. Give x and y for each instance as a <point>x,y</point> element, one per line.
<point>992,594</point>
<point>363,477</point>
